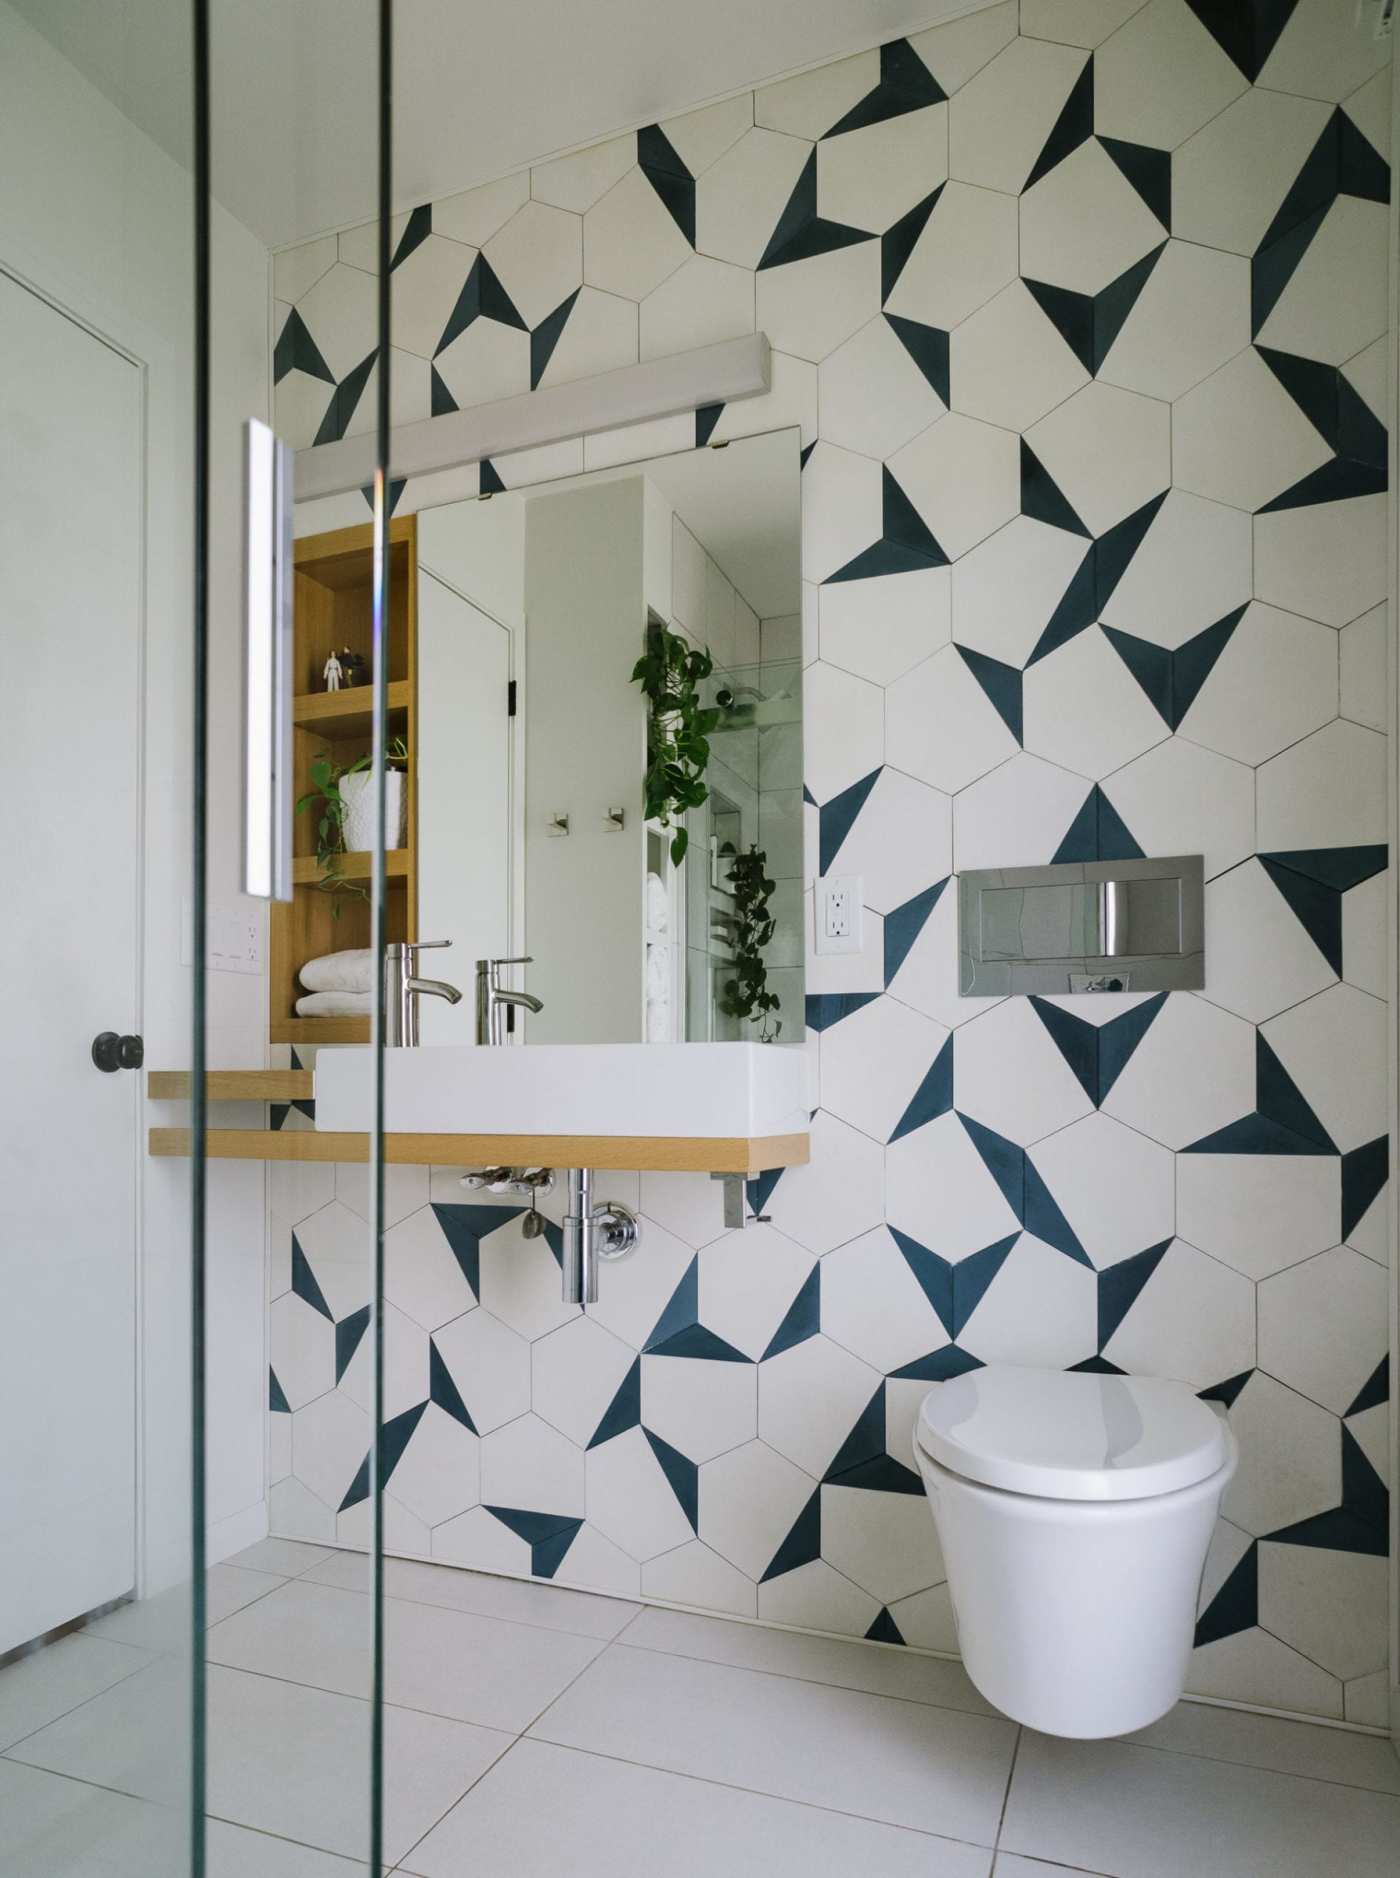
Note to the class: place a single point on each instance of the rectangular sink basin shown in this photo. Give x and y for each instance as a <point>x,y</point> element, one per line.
<point>704,1090</point>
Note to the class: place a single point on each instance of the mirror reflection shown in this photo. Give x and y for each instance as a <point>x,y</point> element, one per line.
<point>595,782</point>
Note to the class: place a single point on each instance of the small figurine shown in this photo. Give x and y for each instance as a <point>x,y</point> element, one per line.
<point>352,667</point>
<point>333,673</point>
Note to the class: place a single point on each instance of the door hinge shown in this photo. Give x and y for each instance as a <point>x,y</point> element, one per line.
<point>510,698</point>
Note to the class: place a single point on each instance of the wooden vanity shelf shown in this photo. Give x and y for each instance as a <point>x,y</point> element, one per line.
<point>332,602</point>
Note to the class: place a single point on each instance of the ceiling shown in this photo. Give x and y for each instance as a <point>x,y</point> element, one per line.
<point>479,89</point>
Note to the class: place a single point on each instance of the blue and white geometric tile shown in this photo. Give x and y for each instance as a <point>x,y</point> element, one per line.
<point>1330,1606</point>
<point>1326,792</point>
<point>817,1597</point>
<point>1084,224</point>
<point>302,1349</point>
<point>1192,568</point>
<point>884,1542</point>
<point>1290,1461</point>
<point>837,1195</point>
<point>1365,659</point>
<point>520,1282</point>
<point>330,1438</point>
<point>529,1464</point>
<point>1040,1309</point>
<point>749,1501</point>
<point>1084,711</point>
<point>1001,120</point>
<point>1008,364</point>
<point>1191,316</point>
<point>740,198</point>
<point>475,215</point>
<point>1193,1319</point>
<point>1334,303</point>
<point>1326,561</point>
<point>899,841</point>
<point>631,1306</point>
<point>756,1284</point>
<point>873,1064</point>
<point>808,307</point>
<point>1194,1072</point>
<point>1009,1075</point>
<point>422,1273</point>
<point>405,1189</point>
<point>630,240</point>
<point>809,104</point>
<point>1262,960</point>
<point>874,1307</point>
<point>1274,681</point>
<point>576,182</point>
<point>438,1474</point>
<point>630,1499</point>
<point>575,1374</point>
<point>1322,1327</point>
<point>940,1192</point>
<point>698,1406</point>
<point>921,958</point>
<point>1017,816</point>
<point>809,1398</point>
<point>1161,76</point>
<point>870,176</point>
<point>965,254</point>
<point>874,398</point>
<point>1179,798</point>
<point>696,1574</point>
<point>595,1563</point>
<point>1115,1186</point>
<point>963,477</point>
<point>1334,1048</point>
<point>843,729</point>
<point>941,727</point>
<point>489,1367</point>
<point>883,627</point>
<point>703,302</point>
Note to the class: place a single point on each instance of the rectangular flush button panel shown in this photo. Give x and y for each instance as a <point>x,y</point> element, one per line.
<point>1082,926</point>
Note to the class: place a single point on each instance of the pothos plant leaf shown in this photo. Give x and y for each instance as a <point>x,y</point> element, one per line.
<point>746,995</point>
<point>326,777</point>
<point>670,673</point>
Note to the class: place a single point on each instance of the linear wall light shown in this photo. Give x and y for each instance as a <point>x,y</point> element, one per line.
<point>634,394</point>
<point>267,673</point>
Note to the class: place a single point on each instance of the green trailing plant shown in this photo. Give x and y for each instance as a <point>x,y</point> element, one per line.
<point>746,995</point>
<point>670,673</point>
<point>325,798</point>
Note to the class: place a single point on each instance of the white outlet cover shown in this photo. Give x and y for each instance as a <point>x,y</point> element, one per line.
<point>839,914</point>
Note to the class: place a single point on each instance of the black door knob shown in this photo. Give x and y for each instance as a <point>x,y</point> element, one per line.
<point>111,1052</point>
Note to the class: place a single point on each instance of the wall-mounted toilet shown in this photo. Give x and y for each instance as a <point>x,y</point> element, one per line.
<point>1074,1512</point>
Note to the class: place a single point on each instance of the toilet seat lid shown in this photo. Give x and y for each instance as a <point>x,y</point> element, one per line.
<point>1071,1435</point>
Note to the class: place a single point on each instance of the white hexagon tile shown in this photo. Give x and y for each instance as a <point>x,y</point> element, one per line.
<point>1079,322</point>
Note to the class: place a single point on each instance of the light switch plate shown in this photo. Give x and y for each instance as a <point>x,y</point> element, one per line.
<point>839,913</point>
<point>234,937</point>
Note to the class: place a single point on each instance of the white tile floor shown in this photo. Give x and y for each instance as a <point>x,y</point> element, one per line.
<point>534,1729</point>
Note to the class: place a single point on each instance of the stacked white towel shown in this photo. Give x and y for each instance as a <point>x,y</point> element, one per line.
<point>334,1004</point>
<point>658,904</point>
<point>339,971</point>
<point>660,1025</point>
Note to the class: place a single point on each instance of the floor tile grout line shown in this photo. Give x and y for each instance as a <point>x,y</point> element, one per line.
<point>819,1682</point>
<point>763,1793</point>
<point>7,1752</point>
<point>476,1780</point>
<point>343,1695</point>
<point>282,1838</point>
<point>489,1617</point>
<point>1256,1767</point>
<point>1006,1795</point>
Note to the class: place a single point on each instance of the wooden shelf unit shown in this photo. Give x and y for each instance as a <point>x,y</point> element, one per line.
<point>332,599</point>
<point>733,1154</point>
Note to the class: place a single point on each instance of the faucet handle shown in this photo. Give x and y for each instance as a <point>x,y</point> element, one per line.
<point>525,961</point>
<point>425,945</point>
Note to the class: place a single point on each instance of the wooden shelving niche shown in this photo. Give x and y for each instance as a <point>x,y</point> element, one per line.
<point>332,610</point>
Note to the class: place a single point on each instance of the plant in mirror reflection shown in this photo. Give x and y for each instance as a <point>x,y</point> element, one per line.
<point>746,994</point>
<point>670,673</point>
<point>325,796</point>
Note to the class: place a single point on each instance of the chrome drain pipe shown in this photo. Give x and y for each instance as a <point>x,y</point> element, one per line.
<point>592,1234</point>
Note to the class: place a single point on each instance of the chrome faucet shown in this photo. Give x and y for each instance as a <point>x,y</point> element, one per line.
<point>403,988</point>
<point>493,1000</point>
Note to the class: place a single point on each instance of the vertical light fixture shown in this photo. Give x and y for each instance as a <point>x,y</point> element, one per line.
<point>267,658</point>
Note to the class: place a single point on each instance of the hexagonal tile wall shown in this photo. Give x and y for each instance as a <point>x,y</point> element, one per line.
<point>1080,327</point>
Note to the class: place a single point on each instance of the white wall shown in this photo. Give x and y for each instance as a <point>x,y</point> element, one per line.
<point>98,219</point>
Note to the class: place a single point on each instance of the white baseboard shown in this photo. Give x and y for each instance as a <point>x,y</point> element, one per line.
<point>231,1534</point>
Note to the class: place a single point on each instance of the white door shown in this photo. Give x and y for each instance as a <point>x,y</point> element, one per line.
<point>464,799</point>
<point>70,626</point>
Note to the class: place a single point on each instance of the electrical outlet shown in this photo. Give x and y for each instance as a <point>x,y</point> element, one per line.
<point>839,914</point>
<point>234,939</point>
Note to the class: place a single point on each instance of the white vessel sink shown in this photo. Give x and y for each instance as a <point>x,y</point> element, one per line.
<point>704,1090</point>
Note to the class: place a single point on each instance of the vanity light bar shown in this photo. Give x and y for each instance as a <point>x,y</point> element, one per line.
<point>634,394</point>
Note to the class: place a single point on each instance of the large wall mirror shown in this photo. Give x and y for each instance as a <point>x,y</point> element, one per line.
<point>552,776</point>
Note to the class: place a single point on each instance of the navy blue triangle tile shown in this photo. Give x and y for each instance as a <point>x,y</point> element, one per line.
<point>548,1535</point>
<point>1253,1134</point>
<point>443,1391</point>
<point>482,298</point>
<point>928,347</point>
<point>1193,663</point>
<point>1120,1036</point>
<point>625,1409</point>
<point>935,1277</point>
<point>1074,612</point>
<point>1342,868</point>
<point>416,231</point>
<point>800,232</point>
<point>1072,316</point>
<point>1073,126</point>
<point>304,1282</point>
<point>900,240</point>
<point>1044,1217</point>
<point>1361,1523</point>
<point>1375,1391</point>
<point>906,543</point>
<point>547,335</point>
<point>904,924</point>
<point>1003,1160</point>
<point>882,1473</point>
<point>397,485</point>
<point>464,1228</point>
<point>1312,191</point>
<point>682,1309</point>
<point>348,1333</point>
<point>1151,665</point>
<point>1279,1099</point>
<point>489,479</point>
<point>864,1442</point>
<point>1361,436</point>
<point>1098,833</point>
<point>971,1278</point>
<point>884,1629</point>
<point>906,84</point>
<point>1148,170</point>
<point>1041,497</point>
<point>1337,481</point>
<point>344,401</point>
<point>1361,169</point>
<point>276,1396</point>
<point>1096,1366</point>
<point>694,1340</point>
<point>669,176</point>
<point>939,1365</point>
<point>681,1473</point>
<point>759,1191</point>
<point>1235,1606</point>
<point>1113,303</point>
<point>836,818</point>
<point>1077,1041</point>
<point>1227,1392</point>
<point>802,1319</point>
<point>825,1008</point>
<point>1116,840</point>
<point>1273,267</point>
<point>1316,906</point>
<point>441,402</point>
<point>803,1544</point>
<point>1247,33</point>
<point>1365,1170</point>
<point>1121,1285</point>
<point>1116,548</point>
<point>1311,385</point>
<point>394,1437</point>
<point>1002,685</point>
<point>933,1097</point>
<point>707,416</point>
<point>297,351</point>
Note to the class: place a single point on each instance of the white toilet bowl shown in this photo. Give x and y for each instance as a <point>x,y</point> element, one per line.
<point>1074,1512</point>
